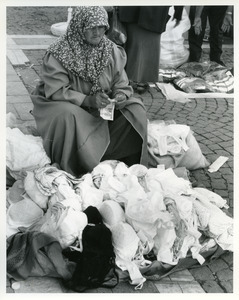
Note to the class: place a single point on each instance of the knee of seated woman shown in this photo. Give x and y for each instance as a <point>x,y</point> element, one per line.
<point>66,110</point>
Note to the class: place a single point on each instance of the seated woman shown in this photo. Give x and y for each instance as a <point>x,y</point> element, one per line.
<point>80,72</point>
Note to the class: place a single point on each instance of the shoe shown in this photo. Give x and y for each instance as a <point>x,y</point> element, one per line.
<point>220,62</point>
<point>139,87</point>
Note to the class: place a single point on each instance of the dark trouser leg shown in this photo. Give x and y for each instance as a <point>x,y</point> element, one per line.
<point>216,16</point>
<point>195,41</point>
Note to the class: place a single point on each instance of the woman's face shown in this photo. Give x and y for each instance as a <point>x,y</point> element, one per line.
<point>94,35</point>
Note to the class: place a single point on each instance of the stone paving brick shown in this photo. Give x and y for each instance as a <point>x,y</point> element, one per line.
<point>225,120</point>
<point>225,170</point>
<point>220,184</point>
<point>211,286</point>
<point>10,108</point>
<point>191,287</point>
<point>216,139</point>
<point>228,178</point>
<point>207,184</point>
<point>228,133</point>
<point>35,60</point>
<point>125,287</point>
<point>226,138</point>
<point>168,288</point>
<point>201,130</point>
<point>184,275</point>
<point>227,143</point>
<point>230,150</point>
<point>13,78</point>
<point>208,135</point>
<point>225,275</point>
<point>213,146</point>
<point>23,110</point>
<point>217,265</point>
<point>205,149</point>
<point>30,78</point>
<point>228,257</point>
<point>221,152</point>
<point>216,175</point>
<point>227,286</point>
<point>10,70</point>
<point>19,99</point>
<point>39,285</point>
<point>202,274</point>
<point>16,88</point>
<point>222,193</point>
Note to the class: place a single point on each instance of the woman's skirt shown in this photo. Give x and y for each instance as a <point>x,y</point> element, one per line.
<point>77,140</point>
<point>143,52</point>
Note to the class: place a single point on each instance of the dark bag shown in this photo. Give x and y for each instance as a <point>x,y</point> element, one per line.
<point>96,261</point>
<point>117,32</point>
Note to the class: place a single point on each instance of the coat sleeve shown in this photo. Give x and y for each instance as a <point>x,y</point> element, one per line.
<point>57,84</point>
<point>120,82</point>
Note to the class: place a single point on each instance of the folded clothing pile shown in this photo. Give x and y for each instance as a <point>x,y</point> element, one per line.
<point>196,77</point>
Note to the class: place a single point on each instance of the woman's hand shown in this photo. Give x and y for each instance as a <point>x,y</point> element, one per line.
<point>120,99</point>
<point>99,100</point>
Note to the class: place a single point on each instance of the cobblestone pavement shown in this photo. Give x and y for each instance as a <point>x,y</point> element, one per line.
<point>212,123</point>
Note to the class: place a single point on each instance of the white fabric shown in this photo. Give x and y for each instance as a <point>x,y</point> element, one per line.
<point>220,226</point>
<point>24,152</point>
<point>16,192</point>
<point>112,213</point>
<point>23,213</point>
<point>64,223</point>
<point>126,244</point>
<point>150,209</point>
<point>33,191</point>
<point>167,139</point>
<point>171,184</point>
<point>90,195</point>
<point>212,197</point>
<point>49,180</point>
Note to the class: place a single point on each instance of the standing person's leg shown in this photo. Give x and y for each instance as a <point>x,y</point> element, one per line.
<point>216,16</point>
<point>195,41</point>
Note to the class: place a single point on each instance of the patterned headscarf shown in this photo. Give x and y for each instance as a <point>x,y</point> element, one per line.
<point>79,57</point>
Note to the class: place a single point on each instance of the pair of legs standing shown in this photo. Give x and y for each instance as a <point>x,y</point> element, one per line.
<point>215,15</point>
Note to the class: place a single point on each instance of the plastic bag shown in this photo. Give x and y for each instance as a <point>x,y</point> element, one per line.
<point>173,52</point>
<point>117,31</point>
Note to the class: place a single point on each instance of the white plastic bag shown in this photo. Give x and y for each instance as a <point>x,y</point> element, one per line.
<point>173,52</point>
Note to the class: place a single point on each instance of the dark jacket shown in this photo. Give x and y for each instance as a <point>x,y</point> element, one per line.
<point>152,18</point>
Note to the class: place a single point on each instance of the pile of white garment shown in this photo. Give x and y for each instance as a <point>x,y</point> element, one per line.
<point>147,209</point>
<point>164,213</point>
<point>174,145</point>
